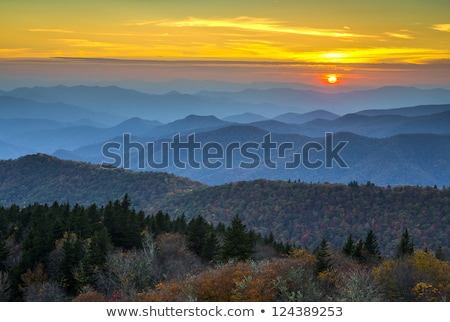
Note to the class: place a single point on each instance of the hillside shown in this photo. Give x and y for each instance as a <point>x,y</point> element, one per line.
<point>407,159</point>
<point>44,179</point>
<point>301,213</point>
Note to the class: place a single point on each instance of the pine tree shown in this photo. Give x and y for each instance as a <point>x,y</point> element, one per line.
<point>358,251</point>
<point>323,256</point>
<point>197,231</point>
<point>371,245</point>
<point>98,249</point>
<point>210,249</point>
<point>237,244</point>
<point>406,246</point>
<point>73,249</point>
<point>349,246</point>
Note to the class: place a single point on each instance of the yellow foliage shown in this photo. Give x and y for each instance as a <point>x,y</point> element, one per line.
<point>426,292</point>
<point>423,270</point>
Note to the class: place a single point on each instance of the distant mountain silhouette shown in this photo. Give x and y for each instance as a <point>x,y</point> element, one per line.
<point>408,111</point>
<point>135,125</point>
<point>245,118</point>
<point>339,103</point>
<point>13,107</point>
<point>305,117</point>
<point>168,107</point>
<point>130,103</point>
<point>191,123</point>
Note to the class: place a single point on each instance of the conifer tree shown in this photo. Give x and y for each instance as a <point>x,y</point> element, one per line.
<point>198,229</point>
<point>349,246</point>
<point>237,244</point>
<point>406,245</point>
<point>323,256</point>
<point>358,251</point>
<point>210,249</point>
<point>73,253</point>
<point>371,245</point>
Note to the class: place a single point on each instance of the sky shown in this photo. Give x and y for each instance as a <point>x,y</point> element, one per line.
<point>361,43</point>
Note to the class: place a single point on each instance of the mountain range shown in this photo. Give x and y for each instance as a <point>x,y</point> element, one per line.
<point>386,142</point>
<point>119,103</point>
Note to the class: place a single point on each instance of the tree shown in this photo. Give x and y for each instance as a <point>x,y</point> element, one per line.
<point>358,251</point>
<point>211,247</point>
<point>358,285</point>
<point>98,249</point>
<point>371,248</point>
<point>197,232</point>
<point>73,249</point>
<point>4,252</point>
<point>323,256</point>
<point>406,246</point>
<point>238,243</point>
<point>349,246</point>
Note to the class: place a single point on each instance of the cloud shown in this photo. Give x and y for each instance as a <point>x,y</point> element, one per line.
<point>441,27</point>
<point>399,35</point>
<point>51,30</point>
<point>255,24</point>
<point>85,43</point>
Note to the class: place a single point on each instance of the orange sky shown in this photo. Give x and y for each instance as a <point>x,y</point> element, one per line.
<point>373,43</point>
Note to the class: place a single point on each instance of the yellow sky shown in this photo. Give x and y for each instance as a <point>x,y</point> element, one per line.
<point>312,31</point>
<point>305,31</point>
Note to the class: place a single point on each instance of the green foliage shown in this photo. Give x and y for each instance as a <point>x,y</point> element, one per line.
<point>56,252</point>
<point>202,239</point>
<point>43,179</point>
<point>238,243</point>
<point>349,247</point>
<point>303,213</point>
<point>323,256</point>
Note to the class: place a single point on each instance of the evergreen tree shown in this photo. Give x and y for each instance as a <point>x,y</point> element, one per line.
<point>98,249</point>
<point>406,246</point>
<point>323,256</point>
<point>73,249</point>
<point>197,232</point>
<point>358,251</point>
<point>371,245</point>
<point>237,244</point>
<point>210,249</point>
<point>4,251</point>
<point>349,246</point>
<point>180,225</point>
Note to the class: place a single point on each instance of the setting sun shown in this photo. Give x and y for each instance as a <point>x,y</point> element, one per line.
<point>332,79</point>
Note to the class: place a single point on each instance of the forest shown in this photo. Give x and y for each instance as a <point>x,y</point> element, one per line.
<point>62,252</point>
<point>295,211</point>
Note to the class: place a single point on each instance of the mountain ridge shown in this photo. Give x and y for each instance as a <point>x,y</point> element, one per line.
<point>299,212</point>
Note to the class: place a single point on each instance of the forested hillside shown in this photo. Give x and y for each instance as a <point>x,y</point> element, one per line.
<point>302,213</point>
<point>296,212</point>
<point>61,252</point>
<point>44,179</point>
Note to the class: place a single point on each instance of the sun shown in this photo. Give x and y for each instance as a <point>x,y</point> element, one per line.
<point>332,79</point>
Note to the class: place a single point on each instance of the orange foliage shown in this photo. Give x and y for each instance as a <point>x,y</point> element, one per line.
<point>34,277</point>
<point>93,296</point>
<point>217,285</point>
<point>164,292</point>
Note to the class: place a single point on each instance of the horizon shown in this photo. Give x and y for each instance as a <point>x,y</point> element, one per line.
<point>335,47</point>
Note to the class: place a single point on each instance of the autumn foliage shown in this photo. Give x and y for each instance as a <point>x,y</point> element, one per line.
<point>115,254</point>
